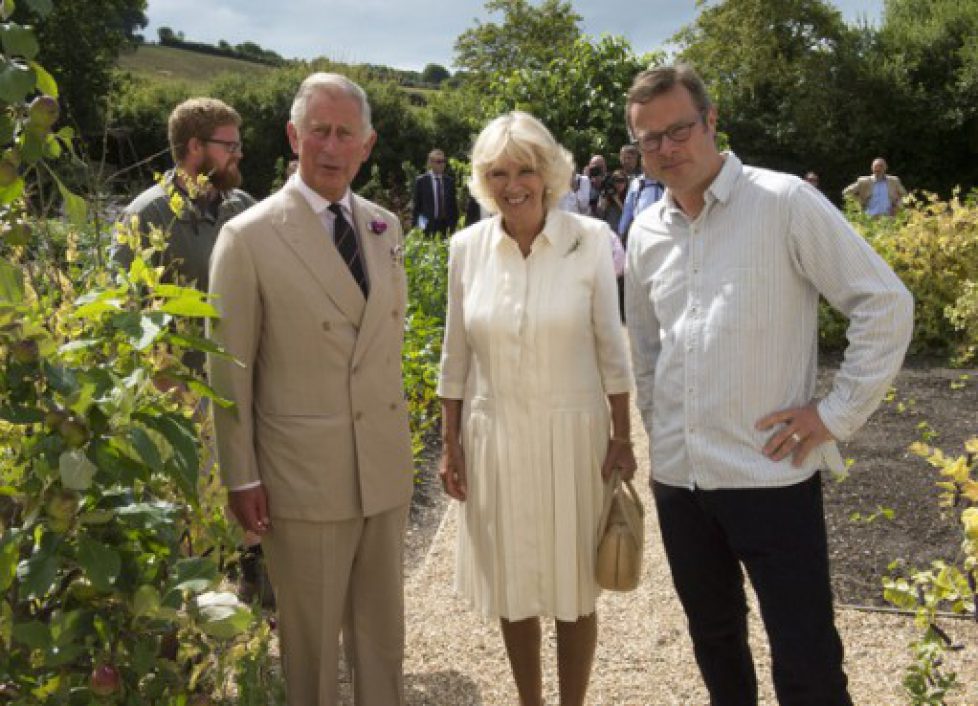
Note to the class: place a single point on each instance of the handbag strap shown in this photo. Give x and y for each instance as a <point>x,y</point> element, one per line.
<point>611,487</point>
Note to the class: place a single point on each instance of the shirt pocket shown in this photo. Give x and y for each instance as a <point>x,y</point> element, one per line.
<point>743,301</point>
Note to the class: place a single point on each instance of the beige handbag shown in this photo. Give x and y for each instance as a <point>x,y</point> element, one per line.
<point>621,536</point>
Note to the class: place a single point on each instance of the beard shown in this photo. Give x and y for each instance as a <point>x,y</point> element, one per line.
<point>222,178</point>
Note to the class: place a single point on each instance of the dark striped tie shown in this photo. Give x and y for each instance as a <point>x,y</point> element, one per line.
<point>346,244</point>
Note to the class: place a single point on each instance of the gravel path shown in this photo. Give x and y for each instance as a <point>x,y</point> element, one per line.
<point>644,657</point>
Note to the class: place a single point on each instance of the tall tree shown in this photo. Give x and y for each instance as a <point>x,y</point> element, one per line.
<point>928,51</point>
<point>80,42</point>
<point>782,73</point>
<point>528,37</point>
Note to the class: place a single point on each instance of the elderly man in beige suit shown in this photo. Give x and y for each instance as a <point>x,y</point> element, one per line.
<point>316,454</point>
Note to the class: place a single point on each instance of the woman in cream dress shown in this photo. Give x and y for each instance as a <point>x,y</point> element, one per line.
<point>534,386</point>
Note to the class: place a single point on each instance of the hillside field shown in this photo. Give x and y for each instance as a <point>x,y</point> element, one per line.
<point>159,63</point>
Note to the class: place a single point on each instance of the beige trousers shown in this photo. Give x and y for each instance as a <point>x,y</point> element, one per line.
<point>321,570</point>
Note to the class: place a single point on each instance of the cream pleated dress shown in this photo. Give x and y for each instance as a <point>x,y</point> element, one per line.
<point>533,346</point>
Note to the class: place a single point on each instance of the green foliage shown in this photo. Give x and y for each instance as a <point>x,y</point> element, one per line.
<point>949,585</point>
<point>932,245</point>
<point>579,94</point>
<point>110,540</point>
<point>152,63</point>
<point>79,44</point>
<point>529,37</point>
<point>264,101</point>
<point>435,74</point>
<point>426,262</point>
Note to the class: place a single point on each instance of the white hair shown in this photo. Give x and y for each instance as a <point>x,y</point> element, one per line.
<point>333,85</point>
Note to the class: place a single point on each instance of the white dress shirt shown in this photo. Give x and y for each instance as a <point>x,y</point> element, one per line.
<point>723,317</point>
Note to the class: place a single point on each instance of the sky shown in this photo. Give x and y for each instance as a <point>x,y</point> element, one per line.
<point>408,34</point>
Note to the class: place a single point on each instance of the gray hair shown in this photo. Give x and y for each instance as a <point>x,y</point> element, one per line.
<point>524,139</point>
<point>335,85</point>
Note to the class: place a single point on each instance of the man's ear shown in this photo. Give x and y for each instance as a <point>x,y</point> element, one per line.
<point>293,133</point>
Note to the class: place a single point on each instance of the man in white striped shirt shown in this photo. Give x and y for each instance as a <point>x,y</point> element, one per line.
<point>722,287</point>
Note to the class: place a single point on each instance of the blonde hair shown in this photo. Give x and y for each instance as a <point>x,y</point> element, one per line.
<point>524,139</point>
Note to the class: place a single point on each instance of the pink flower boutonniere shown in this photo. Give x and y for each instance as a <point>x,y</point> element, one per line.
<point>378,226</point>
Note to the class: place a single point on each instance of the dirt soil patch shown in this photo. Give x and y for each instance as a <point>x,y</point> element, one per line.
<point>885,475</point>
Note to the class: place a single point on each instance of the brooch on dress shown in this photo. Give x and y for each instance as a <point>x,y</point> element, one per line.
<point>397,254</point>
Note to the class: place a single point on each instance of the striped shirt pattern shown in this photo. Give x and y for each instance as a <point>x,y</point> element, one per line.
<point>723,319</point>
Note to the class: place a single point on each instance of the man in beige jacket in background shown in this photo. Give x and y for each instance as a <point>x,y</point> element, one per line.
<point>879,194</point>
<point>316,454</point>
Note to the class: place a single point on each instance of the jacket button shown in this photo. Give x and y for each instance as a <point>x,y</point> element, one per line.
<point>358,416</point>
<point>327,326</point>
<point>393,406</point>
<point>394,313</point>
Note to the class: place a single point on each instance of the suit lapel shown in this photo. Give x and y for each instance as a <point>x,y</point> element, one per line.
<point>303,231</point>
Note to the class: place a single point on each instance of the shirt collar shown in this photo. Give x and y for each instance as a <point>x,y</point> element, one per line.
<point>553,233</point>
<point>722,185</point>
<point>316,202</point>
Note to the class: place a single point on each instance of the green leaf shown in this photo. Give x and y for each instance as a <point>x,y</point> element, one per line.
<point>222,615</point>
<point>194,574</point>
<point>76,470</point>
<point>11,283</point>
<point>75,207</point>
<point>45,81</point>
<point>52,148</point>
<point>194,306</point>
<point>197,343</point>
<point>34,634</point>
<point>63,380</point>
<point>202,389</point>
<point>149,332</point>
<point>16,82</point>
<point>9,554</point>
<point>9,194</point>
<point>18,40</point>
<point>93,310</point>
<point>101,563</point>
<point>37,574</point>
<point>183,441</point>
<point>145,447</point>
<point>146,601</point>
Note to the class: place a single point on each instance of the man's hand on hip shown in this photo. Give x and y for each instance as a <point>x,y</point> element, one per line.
<point>250,509</point>
<point>802,431</point>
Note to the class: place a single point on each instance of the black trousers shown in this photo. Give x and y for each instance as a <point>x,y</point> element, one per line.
<point>778,534</point>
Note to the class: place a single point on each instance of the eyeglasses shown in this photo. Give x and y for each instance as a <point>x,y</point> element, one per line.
<point>230,146</point>
<point>680,132</point>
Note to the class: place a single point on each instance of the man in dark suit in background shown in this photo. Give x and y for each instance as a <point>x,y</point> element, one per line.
<point>435,208</point>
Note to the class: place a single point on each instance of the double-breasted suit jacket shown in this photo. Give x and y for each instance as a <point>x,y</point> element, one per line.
<point>320,416</point>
